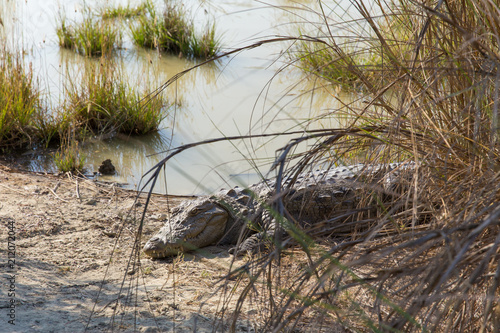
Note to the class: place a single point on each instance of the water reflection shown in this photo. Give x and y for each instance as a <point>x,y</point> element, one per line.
<point>234,96</point>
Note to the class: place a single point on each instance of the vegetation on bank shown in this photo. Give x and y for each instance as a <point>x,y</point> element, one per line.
<point>20,101</point>
<point>99,100</point>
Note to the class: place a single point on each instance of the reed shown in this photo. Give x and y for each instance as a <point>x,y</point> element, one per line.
<point>432,98</point>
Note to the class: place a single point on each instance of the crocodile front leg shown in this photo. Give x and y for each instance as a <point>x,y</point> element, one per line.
<point>260,240</point>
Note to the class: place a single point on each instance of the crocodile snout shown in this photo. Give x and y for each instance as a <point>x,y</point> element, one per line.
<point>157,248</point>
<point>193,225</point>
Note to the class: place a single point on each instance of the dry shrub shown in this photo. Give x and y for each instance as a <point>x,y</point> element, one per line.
<point>431,264</point>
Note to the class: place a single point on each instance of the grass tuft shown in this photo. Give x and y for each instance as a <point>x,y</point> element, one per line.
<point>68,158</point>
<point>104,102</point>
<point>91,37</point>
<point>207,45</point>
<point>122,12</point>
<point>173,32</point>
<point>321,60</point>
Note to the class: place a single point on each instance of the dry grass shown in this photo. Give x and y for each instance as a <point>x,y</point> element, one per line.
<point>428,260</point>
<point>434,100</point>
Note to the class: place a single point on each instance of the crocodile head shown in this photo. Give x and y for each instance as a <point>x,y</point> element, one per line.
<point>193,224</point>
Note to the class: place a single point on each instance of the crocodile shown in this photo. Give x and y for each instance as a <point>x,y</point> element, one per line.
<point>228,215</point>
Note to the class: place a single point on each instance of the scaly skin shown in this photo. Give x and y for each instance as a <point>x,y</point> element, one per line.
<point>224,216</point>
<point>194,224</point>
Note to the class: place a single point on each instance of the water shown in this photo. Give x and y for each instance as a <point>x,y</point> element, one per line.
<point>235,96</point>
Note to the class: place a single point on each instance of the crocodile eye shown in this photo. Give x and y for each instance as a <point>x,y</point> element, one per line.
<point>194,211</point>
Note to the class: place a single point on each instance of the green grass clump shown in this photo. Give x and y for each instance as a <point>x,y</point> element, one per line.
<point>104,102</point>
<point>68,158</point>
<point>141,115</point>
<point>169,32</point>
<point>109,12</point>
<point>91,37</point>
<point>25,118</point>
<point>50,125</point>
<point>323,61</point>
<point>173,32</point>
<point>20,100</point>
<point>205,46</point>
<point>351,60</point>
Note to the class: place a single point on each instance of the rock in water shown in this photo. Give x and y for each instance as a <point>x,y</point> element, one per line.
<point>107,168</point>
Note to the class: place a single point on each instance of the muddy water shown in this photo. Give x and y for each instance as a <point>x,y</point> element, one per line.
<point>234,96</point>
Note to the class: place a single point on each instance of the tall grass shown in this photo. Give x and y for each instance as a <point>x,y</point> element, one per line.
<point>432,98</point>
<point>20,100</point>
<point>429,259</point>
<point>103,102</point>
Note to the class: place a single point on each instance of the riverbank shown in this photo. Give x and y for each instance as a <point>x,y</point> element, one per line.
<point>65,246</point>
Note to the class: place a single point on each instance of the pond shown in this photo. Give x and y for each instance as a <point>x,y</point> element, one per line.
<point>238,95</point>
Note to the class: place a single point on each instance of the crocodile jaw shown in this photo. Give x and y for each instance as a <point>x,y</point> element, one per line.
<point>195,225</point>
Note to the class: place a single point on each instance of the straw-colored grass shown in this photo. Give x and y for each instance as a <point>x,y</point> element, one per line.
<point>432,98</point>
